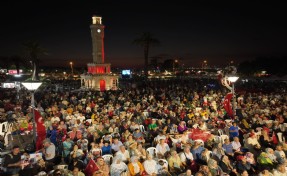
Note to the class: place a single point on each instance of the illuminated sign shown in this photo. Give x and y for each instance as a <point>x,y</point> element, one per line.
<point>14,72</point>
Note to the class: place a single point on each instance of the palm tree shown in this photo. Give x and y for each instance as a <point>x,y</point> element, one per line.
<point>34,50</point>
<point>146,40</point>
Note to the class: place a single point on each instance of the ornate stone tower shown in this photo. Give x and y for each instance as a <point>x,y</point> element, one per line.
<point>99,76</point>
<point>97,31</point>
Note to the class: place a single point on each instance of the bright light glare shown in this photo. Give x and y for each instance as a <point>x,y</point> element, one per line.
<point>232,78</point>
<point>31,85</point>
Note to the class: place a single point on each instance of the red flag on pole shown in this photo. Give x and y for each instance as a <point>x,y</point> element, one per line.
<point>91,168</point>
<point>41,130</point>
<point>227,105</point>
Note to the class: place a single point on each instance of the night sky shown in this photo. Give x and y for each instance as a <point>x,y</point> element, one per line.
<point>216,31</point>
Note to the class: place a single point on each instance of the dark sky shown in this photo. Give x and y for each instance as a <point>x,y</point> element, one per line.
<point>216,31</point>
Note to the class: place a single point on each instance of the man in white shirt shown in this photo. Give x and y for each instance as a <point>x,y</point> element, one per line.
<point>162,148</point>
<point>116,145</point>
<point>236,145</point>
<point>124,154</point>
<point>186,157</point>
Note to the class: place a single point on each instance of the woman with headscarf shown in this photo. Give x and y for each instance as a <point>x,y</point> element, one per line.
<point>226,166</point>
<point>264,161</point>
<point>215,170</point>
<point>217,151</point>
<point>265,140</point>
<point>104,169</point>
<point>271,155</point>
<point>118,167</point>
<point>135,167</point>
<point>181,127</point>
<point>150,166</point>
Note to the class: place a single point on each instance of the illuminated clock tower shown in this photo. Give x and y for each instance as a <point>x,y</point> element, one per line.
<point>99,76</point>
<point>97,30</point>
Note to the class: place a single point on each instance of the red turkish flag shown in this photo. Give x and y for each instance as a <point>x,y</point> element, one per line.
<point>227,105</point>
<point>91,168</point>
<point>41,130</point>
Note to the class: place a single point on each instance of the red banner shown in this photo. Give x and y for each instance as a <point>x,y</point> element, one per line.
<point>227,105</point>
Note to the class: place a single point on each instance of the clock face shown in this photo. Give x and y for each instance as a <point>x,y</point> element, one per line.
<point>99,30</point>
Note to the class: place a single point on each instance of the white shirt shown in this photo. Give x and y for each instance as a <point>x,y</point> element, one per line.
<point>150,166</point>
<point>162,149</point>
<point>125,156</point>
<point>184,155</point>
<point>236,145</point>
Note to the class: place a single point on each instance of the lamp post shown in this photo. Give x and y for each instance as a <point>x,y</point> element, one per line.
<point>71,63</point>
<point>233,79</point>
<point>32,86</point>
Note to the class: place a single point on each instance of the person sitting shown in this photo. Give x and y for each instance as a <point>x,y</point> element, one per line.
<point>186,157</point>
<point>174,163</point>
<point>125,155</point>
<point>135,167</point>
<point>226,166</point>
<point>181,127</point>
<point>12,161</point>
<point>217,152</point>
<point>162,148</point>
<point>150,166</point>
<point>243,165</point>
<point>196,150</point>
<point>264,161</point>
<point>280,170</point>
<point>107,148</point>
<point>271,155</point>
<point>214,168</point>
<point>118,166</point>
<point>280,155</point>
<point>228,148</point>
<point>265,140</point>
<point>252,143</point>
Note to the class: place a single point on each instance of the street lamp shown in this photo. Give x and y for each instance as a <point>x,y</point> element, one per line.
<point>233,79</point>
<point>32,86</point>
<point>71,63</point>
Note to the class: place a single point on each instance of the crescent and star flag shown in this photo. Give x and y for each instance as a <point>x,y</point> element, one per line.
<point>91,168</point>
<point>227,105</point>
<point>41,130</point>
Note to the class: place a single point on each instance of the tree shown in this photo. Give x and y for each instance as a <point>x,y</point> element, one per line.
<point>146,40</point>
<point>34,50</point>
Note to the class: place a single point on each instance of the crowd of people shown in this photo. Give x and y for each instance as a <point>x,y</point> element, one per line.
<point>149,128</point>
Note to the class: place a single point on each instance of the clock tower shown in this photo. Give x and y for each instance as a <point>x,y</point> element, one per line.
<point>99,76</point>
<point>97,31</point>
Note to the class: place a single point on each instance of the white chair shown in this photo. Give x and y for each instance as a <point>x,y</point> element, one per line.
<point>142,129</point>
<point>209,155</point>
<point>223,137</point>
<point>228,121</point>
<point>217,139</point>
<point>89,120</point>
<point>108,158</point>
<point>200,141</point>
<point>152,151</point>
<point>220,132</point>
<point>165,162</point>
<point>62,167</point>
<point>280,137</point>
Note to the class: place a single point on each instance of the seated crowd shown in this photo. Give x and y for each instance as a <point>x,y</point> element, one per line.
<point>151,131</point>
